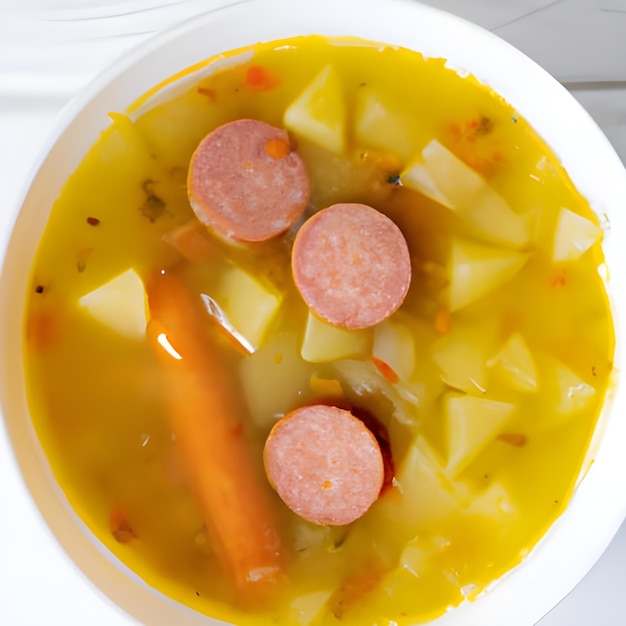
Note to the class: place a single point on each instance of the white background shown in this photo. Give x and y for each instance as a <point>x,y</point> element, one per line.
<point>49,50</point>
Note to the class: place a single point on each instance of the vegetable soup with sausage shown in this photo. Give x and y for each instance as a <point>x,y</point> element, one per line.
<point>320,338</point>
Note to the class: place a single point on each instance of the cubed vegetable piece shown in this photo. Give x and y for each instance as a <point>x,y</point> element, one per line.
<point>121,304</point>
<point>443,177</point>
<point>275,379</point>
<point>428,494</point>
<point>573,236</point>
<point>323,342</point>
<point>573,393</point>
<point>477,270</point>
<point>174,128</point>
<point>319,112</point>
<point>460,357</point>
<point>419,551</point>
<point>393,344</point>
<point>514,365</point>
<point>304,609</point>
<point>471,424</point>
<point>494,503</point>
<point>382,126</point>
<point>248,305</point>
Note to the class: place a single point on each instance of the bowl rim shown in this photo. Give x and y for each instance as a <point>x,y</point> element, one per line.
<point>602,180</point>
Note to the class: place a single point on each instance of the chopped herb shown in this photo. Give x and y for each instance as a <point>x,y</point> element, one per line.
<point>93,221</point>
<point>362,84</point>
<point>514,119</point>
<point>154,207</point>
<point>39,289</point>
<point>556,502</point>
<point>593,370</point>
<point>395,180</point>
<point>485,125</point>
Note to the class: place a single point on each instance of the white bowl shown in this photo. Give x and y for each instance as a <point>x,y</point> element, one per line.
<point>580,535</point>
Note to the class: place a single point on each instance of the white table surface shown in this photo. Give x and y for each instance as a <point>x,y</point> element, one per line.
<point>581,42</point>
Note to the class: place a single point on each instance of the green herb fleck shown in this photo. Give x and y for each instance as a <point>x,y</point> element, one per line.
<point>395,180</point>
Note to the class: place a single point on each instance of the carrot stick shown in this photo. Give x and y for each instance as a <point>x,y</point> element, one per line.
<point>205,414</point>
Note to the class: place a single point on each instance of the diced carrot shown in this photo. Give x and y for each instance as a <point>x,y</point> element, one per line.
<point>192,241</point>
<point>386,370</point>
<point>262,78</point>
<point>277,148</point>
<point>206,414</point>
<point>443,321</point>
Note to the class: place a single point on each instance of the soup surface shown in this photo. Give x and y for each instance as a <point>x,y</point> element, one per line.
<point>486,382</point>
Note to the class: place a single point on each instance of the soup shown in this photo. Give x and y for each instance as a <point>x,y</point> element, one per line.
<point>160,353</point>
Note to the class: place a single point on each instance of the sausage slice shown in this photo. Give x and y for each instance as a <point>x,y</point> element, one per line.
<point>351,265</point>
<point>325,464</point>
<point>246,182</point>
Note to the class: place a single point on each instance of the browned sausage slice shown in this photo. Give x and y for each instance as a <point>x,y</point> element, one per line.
<point>325,464</point>
<point>351,265</point>
<point>246,182</point>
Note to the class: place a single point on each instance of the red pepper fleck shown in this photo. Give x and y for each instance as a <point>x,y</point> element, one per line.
<point>93,221</point>
<point>386,370</point>
<point>261,78</point>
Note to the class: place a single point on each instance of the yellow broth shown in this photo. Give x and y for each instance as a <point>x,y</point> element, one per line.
<point>438,535</point>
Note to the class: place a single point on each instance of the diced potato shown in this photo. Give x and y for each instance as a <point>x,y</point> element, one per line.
<point>573,236</point>
<point>175,128</point>
<point>573,393</point>
<point>275,380</point>
<point>394,345</point>
<point>471,424</point>
<point>121,304</point>
<point>307,607</point>
<point>427,493</point>
<point>248,305</point>
<point>319,112</point>
<point>381,125</point>
<point>495,503</point>
<point>419,551</point>
<point>514,365</point>
<point>461,359</point>
<point>323,342</point>
<point>443,177</point>
<point>477,270</point>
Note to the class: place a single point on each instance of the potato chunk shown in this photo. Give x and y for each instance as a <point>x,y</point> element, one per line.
<point>443,177</point>
<point>471,424</point>
<point>477,270</point>
<point>319,112</point>
<point>514,365</point>
<point>121,304</point>
<point>394,345</point>
<point>381,126</point>
<point>573,236</point>
<point>237,294</point>
<point>323,342</point>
